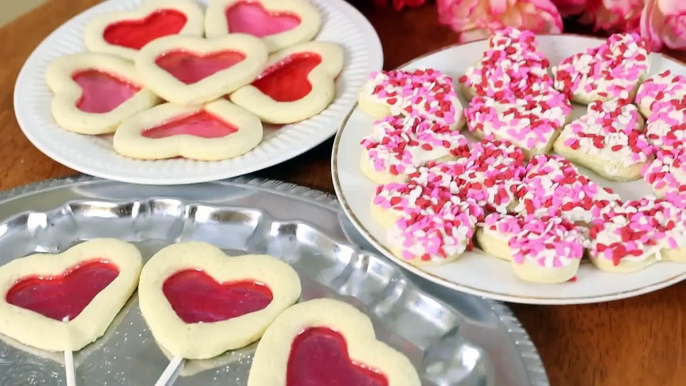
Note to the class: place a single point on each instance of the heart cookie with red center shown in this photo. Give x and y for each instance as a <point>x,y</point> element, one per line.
<point>200,302</point>
<point>124,33</point>
<point>279,23</point>
<point>297,84</point>
<point>94,93</point>
<point>326,342</point>
<point>215,131</point>
<point>74,295</point>
<point>188,70</point>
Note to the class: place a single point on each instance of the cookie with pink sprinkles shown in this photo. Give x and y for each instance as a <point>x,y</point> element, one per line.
<point>615,69</point>
<point>659,90</point>
<point>435,238</point>
<point>529,119</point>
<point>639,234</point>
<point>511,62</point>
<point>666,125</point>
<point>667,174</point>
<point>398,145</point>
<point>553,187</point>
<point>609,140</point>
<point>425,93</point>
<point>490,176</point>
<point>540,250</point>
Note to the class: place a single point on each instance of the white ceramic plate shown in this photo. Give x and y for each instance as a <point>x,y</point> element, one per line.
<point>342,24</point>
<point>475,272</point>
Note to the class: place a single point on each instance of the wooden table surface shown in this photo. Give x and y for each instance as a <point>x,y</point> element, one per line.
<point>634,342</point>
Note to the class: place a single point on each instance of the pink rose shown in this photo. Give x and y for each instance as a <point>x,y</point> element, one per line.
<point>477,19</point>
<point>400,4</point>
<point>613,15</point>
<point>664,22</point>
<point>570,7</point>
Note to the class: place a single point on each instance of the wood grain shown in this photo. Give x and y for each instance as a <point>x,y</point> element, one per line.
<point>634,342</point>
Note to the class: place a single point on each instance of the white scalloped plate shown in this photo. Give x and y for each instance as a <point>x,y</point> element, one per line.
<point>476,272</point>
<point>342,24</point>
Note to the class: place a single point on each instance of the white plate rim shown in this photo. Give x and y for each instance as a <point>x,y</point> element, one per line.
<point>469,289</point>
<point>23,83</point>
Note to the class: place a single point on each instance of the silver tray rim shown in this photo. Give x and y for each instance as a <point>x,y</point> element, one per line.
<point>533,364</point>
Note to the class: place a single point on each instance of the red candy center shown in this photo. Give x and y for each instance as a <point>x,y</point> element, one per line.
<point>319,357</point>
<point>137,33</point>
<point>197,298</point>
<point>251,18</point>
<point>191,68</point>
<point>102,92</point>
<point>201,124</point>
<point>66,295</point>
<point>286,81</point>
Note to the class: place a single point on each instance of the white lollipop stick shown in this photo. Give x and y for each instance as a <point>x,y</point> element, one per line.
<point>69,363</point>
<point>169,372</point>
<point>69,368</point>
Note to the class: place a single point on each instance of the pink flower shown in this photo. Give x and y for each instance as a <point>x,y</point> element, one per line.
<point>570,7</point>
<point>664,22</point>
<point>400,4</point>
<point>613,15</point>
<point>477,19</point>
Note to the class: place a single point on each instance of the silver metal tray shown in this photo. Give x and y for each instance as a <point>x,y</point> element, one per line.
<point>452,338</point>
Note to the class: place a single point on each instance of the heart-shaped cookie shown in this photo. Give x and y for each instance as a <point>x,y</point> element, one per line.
<point>529,118</point>
<point>609,140</point>
<point>612,70</point>
<point>199,302</point>
<point>215,131</point>
<point>511,62</point>
<point>637,234</point>
<point>425,93</point>
<point>124,33</point>
<point>553,187</point>
<point>94,93</point>
<point>660,90</point>
<point>74,295</point>
<point>297,84</point>
<point>541,250</point>
<point>667,174</point>
<point>188,70</point>
<point>666,125</point>
<point>280,23</point>
<point>398,145</point>
<point>327,342</point>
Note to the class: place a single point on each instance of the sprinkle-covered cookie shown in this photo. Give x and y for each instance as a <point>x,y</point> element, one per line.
<point>553,187</point>
<point>638,234</point>
<point>667,174</point>
<point>659,90</point>
<point>666,125</point>
<point>435,238</point>
<point>530,122</point>
<point>511,62</point>
<point>490,175</point>
<point>611,70</point>
<point>426,93</point>
<point>398,145</point>
<point>609,140</point>
<point>541,250</point>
